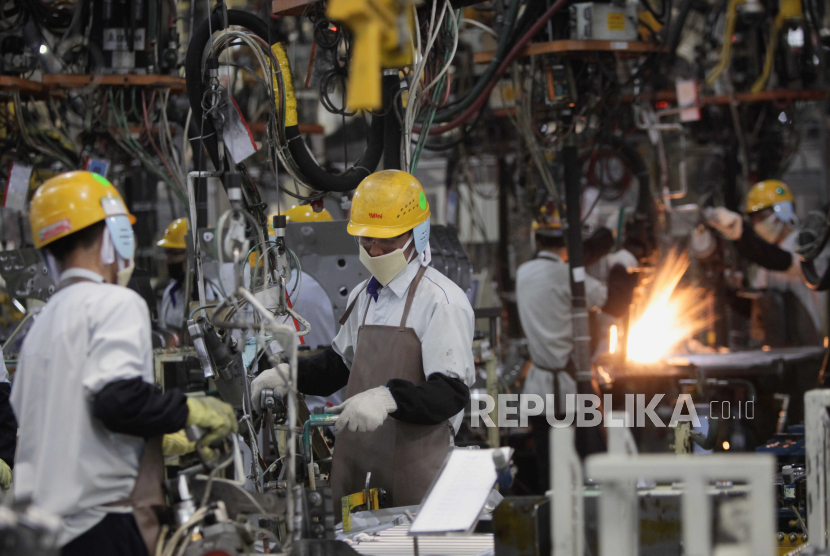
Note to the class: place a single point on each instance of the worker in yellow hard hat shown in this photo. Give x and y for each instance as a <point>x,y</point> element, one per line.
<point>412,359</point>
<point>91,419</point>
<point>543,298</point>
<point>767,238</point>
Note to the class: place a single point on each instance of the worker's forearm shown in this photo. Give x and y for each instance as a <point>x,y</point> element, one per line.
<point>136,407</point>
<point>323,374</point>
<point>762,253</point>
<point>430,403</point>
<point>8,426</point>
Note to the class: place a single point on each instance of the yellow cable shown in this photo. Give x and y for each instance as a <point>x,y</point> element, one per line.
<point>726,50</point>
<point>759,84</point>
<point>290,100</point>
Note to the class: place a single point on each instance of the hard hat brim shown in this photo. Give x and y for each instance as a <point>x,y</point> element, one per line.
<point>381,232</point>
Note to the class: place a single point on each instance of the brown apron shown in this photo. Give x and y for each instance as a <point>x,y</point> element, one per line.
<point>147,494</point>
<point>403,458</point>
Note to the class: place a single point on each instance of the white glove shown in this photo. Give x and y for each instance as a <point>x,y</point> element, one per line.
<point>728,223</point>
<point>623,257</point>
<point>364,412</point>
<point>275,379</point>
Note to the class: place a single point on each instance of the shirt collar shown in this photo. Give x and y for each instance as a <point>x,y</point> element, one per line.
<point>81,273</point>
<point>550,256</point>
<point>401,282</point>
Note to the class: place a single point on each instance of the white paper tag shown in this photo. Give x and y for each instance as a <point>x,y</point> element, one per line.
<point>619,46</point>
<point>579,274</point>
<point>688,100</point>
<point>115,38</point>
<point>237,136</point>
<point>17,186</point>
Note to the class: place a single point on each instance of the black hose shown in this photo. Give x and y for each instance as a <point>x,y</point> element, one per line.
<point>392,132</point>
<point>676,31</point>
<point>320,179</point>
<point>811,277</point>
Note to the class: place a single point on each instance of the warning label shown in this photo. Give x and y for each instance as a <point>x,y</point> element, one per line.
<point>117,39</point>
<point>616,21</point>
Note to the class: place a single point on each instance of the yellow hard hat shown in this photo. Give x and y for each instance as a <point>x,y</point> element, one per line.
<point>548,222</point>
<point>300,213</point>
<point>387,204</point>
<point>767,193</point>
<point>174,235</point>
<point>70,202</point>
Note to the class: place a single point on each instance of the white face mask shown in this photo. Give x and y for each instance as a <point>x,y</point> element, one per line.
<point>769,229</point>
<point>125,271</point>
<point>385,267</point>
<point>109,254</point>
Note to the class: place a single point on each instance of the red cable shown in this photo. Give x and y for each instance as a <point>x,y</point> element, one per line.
<point>485,94</point>
<point>296,324</point>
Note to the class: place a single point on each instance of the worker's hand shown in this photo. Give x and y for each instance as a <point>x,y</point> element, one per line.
<point>176,444</point>
<point>5,475</point>
<point>728,223</point>
<point>275,379</point>
<point>364,412</point>
<point>214,415</point>
<point>623,257</point>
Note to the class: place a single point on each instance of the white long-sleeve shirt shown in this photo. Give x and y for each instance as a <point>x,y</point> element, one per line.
<point>543,294</point>
<point>88,335</point>
<point>441,316</point>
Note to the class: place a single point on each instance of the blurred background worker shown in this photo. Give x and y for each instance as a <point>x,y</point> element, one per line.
<point>172,307</point>
<point>8,429</point>
<point>792,313</point>
<point>312,302</point>
<point>90,418</point>
<point>543,292</point>
<point>404,349</point>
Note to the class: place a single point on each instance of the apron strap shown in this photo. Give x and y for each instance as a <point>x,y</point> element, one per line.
<point>411,295</point>
<point>349,309</point>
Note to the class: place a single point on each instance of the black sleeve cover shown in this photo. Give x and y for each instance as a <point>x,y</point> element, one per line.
<point>322,374</point>
<point>136,407</point>
<point>597,246</point>
<point>430,403</point>
<point>753,248</point>
<point>621,286</point>
<point>8,426</point>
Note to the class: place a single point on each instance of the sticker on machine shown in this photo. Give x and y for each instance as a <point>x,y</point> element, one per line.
<point>55,229</point>
<point>616,21</point>
<point>17,186</point>
<point>237,134</point>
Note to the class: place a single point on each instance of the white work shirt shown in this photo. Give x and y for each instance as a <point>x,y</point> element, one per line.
<point>441,316</point>
<point>791,280</point>
<point>87,336</point>
<point>171,308</point>
<point>543,294</point>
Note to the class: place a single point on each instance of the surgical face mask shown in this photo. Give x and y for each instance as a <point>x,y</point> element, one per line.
<point>119,245</point>
<point>769,229</point>
<point>385,267</point>
<point>125,271</point>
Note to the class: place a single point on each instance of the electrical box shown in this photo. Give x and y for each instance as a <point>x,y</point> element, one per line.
<point>604,22</point>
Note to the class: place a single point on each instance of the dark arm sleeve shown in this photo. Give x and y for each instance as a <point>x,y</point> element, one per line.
<point>621,286</point>
<point>323,374</point>
<point>136,407</point>
<point>430,403</point>
<point>764,254</point>
<point>8,426</point>
<point>597,246</point>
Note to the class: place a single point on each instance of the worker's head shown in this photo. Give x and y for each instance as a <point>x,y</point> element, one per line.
<point>174,247</point>
<point>769,205</point>
<point>390,221</point>
<point>79,219</point>
<point>546,231</point>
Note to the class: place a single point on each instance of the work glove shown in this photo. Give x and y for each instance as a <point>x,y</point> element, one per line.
<point>623,257</point>
<point>364,412</point>
<point>5,475</point>
<point>176,444</point>
<point>214,415</point>
<point>728,223</point>
<point>275,379</point>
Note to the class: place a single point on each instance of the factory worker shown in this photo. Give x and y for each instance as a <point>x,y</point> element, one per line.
<point>543,293</point>
<point>91,420</point>
<point>313,303</point>
<point>404,351</point>
<point>768,240</point>
<point>172,307</point>
<point>8,429</point>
